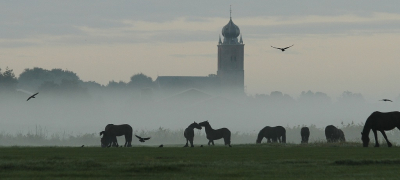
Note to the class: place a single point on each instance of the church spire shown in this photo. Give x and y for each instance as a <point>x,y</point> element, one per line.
<point>230,11</point>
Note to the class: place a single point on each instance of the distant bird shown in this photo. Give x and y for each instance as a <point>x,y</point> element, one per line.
<point>386,100</point>
<point>201,146</point>
<point>82,145</point>
<point>33,96</point>
<point>282,49</point>
<point>161,146</point>
<point>142,139</point>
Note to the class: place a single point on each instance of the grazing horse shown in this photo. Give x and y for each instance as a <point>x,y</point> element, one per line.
<point>380,121</point>
<point>334,134</point>
<point>189,133</point>
<point>215,134</point>
<point>305,134</point>
<point>112,131</point>
<point>275,134</point>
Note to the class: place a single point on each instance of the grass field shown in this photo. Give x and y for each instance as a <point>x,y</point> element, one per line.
<point>265,161</point>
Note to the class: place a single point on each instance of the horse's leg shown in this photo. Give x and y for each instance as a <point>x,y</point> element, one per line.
<point>227,141</point>
<point>191,142</point>
<point>209,141</point>
<point>186,145</point>
<point>376,137</point>
<point>212,141</point>
<point>129,139</point>
<point>115,142</point>
<point>387,141</point>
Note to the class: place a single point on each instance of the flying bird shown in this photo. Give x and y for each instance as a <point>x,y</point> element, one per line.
<point>33,96</point>
<point>386,100</point>
<point>282,49</point>
<point>142,139</point>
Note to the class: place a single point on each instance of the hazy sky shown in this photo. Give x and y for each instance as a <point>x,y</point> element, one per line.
<point>338,45</point>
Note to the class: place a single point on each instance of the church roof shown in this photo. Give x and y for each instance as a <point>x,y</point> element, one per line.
<point>231,30</point>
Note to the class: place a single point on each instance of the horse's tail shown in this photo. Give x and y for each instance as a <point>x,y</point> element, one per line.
<point>226,134</point>
<point>228,138</point>
<point>284,137</point>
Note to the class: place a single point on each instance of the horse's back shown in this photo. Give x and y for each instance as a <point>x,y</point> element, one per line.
<point>219,133</point>
<point>267,132</point>
<point>188,133</point>
<point>384,120</point>
<point>330,129</point>
<point>280,130</point>
<point>119,130</point>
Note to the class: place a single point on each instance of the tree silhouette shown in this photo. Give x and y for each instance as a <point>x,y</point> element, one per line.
<point>33,78</point>
<point>314,98</point>
<point>348,97</point>
<point>8,81</point>
<point>140,81</point>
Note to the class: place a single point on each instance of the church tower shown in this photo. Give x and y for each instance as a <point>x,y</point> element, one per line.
<point>230,59</point>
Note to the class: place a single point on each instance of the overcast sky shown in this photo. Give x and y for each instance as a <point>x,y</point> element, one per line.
<point>338,45</point>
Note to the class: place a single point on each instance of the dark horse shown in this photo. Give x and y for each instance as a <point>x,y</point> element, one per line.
<point>275,134</point>
<point>379,121</point>
<point>305,134</point>
<point>334,134</point>
<point>112,131</point>
<point>213,134</point>
<point>189,133</point>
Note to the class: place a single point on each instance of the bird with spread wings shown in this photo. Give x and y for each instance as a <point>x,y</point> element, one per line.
<point>386,100</point>
<point>33,96</point>
<point>283,49</point>
<point>142,139</point>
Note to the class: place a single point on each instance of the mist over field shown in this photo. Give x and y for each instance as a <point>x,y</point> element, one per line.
<point>73,107</point>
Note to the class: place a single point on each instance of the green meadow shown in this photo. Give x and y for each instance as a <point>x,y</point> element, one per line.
<point>264,161</point>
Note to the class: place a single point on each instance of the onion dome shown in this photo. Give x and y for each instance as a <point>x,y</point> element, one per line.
<point>230,30</point>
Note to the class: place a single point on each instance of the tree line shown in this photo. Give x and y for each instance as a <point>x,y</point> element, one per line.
<point>58,81</point>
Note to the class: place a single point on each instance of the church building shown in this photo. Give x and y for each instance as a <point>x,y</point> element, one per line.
<point>229,79</point>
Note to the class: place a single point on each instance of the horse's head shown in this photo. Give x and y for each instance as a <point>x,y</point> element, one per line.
<point>365,139</point>
<point>195,125</point>
<point>204,124</point>
<point>105,140</point>
<point>260,137</point>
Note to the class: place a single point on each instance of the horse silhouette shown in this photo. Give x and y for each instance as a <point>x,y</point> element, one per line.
<point>189,133</point>
<point>305,134</point>
<point>112,131</point>
<point>215,134</point>
<point>380,121</point>
<point>334,134</point>
<point>275,134</point>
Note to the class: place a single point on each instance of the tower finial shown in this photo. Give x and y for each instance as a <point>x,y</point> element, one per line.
<point>230,11</point>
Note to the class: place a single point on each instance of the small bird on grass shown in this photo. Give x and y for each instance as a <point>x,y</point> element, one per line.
<point>142,139</point>
<point>161,146</point>
<point>386,100</point>
<point>201,146</point>
<point>82,145</point>
<point>33,96</point>
<point>282,49</point>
